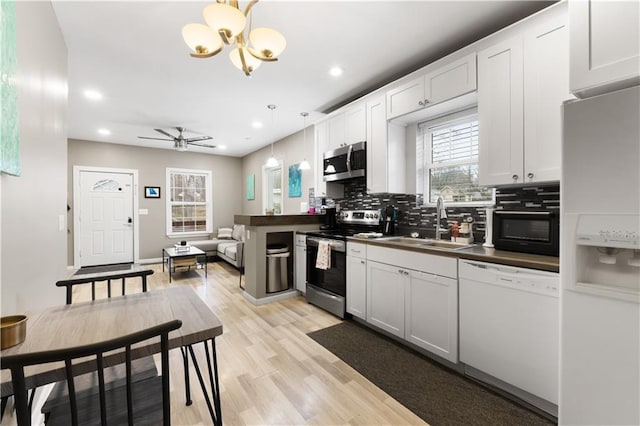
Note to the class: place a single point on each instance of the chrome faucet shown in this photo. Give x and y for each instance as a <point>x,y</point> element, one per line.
<point>441,214</point>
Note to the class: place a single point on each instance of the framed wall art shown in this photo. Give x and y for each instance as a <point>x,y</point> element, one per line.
<point>151,192</point>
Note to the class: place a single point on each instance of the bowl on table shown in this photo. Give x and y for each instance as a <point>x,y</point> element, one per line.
<point>13,330</point>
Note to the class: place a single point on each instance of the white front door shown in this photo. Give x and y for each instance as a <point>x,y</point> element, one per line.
<point>105,218</point>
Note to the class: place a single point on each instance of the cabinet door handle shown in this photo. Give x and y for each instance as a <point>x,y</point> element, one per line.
<point>421,103</point>
<point>530,175</point>
<point>426,101</point>
<point>362,261</point>
<point>515,178</point>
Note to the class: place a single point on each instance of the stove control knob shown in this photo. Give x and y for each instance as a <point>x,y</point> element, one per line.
<point>375,215</point>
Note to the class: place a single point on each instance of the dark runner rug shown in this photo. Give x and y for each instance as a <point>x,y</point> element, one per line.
<point>436,394</point>
<point>103,268</point>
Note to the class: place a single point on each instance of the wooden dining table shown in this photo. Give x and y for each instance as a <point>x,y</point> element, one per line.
<point>66,326</point>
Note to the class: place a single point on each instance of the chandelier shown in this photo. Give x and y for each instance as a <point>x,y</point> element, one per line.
<point>226,24</point>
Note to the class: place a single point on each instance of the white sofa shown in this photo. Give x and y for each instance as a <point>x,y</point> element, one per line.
<point>226,243</point>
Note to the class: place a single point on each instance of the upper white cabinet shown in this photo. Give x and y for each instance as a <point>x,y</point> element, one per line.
<point>605,45</point>
<point>322,143</point>
<point>385,150</point>
<point>522,83</point>
<point>355,123</point>
<point>336,132</point>
<point>447,82</point>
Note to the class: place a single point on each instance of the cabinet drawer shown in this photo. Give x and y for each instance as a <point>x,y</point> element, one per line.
<point>357,250</point>
<point>433,264</point>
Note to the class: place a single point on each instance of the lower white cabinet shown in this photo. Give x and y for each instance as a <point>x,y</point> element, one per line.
<point>357,287</point>
<point>431,313</point>
<point>419,306</point>
<point>301,263</point>
<point>385,297</point>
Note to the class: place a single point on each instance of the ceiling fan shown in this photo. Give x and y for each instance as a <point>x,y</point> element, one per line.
<point>180,142</point>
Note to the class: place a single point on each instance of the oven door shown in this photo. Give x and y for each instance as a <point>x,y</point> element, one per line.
<point>524,231</point>
<point>334,279</point>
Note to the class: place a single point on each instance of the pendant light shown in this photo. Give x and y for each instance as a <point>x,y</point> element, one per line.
<point>305,164</point>
<point>272,162</point>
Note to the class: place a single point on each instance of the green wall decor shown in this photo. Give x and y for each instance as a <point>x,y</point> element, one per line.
<point>9,130</point>
<point>251,183</point>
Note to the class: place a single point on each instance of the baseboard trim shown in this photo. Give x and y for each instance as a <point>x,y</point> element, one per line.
<point>269,299</point>
<point>150,260</point>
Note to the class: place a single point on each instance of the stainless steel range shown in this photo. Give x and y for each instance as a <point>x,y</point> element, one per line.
<point>327,288</point>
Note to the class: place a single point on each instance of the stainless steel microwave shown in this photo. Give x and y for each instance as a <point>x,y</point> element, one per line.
<point>346,162</point>
<point>527,231</point>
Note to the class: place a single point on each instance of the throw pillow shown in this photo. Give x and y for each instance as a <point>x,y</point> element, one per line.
<point>238,230</point>
<point>225,233</point>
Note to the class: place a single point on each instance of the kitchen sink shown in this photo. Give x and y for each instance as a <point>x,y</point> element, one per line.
<point>430,242</point>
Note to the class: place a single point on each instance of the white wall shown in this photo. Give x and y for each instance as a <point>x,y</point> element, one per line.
<point>33,248</point>
<point>291,150</point>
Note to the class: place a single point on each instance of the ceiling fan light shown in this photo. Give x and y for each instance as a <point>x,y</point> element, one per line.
<point>252,63</point>
<point>201,39</point>
<point>304,165</point>
<point>181,145</point>
<point>225,18</point>
<point>267,42</point>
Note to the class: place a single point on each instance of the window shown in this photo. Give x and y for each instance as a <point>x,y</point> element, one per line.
<point>189,209</point>
<point>447,153</point>
<point>272,188</point>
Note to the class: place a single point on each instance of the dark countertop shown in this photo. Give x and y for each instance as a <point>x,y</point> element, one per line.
<point>475,252</point>
<point>278,219</point>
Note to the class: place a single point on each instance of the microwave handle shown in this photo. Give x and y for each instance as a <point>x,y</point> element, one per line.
<point>349,158</point>
<point>522,212</point>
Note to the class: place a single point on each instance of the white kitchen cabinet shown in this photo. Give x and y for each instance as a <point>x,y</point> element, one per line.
<point>385,297</point>
<point>355,123</point>
<point>420,307</point>
<point>301,263</point>
<point>546,87</point>
<point>522,83</point>
<point>357,280</point>
<point>500,113</point>
<point>605,46</point>
<point>322,143</point>
<point>385,150</point>
<point>447,82</point>
<point>336,132</point>
<point>431,316</point>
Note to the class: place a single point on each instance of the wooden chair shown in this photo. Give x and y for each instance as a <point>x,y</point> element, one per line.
<point>141,408</point>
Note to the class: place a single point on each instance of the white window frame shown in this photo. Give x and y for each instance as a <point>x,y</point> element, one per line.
<point>265,186</point>
<point>208,202</point>
<point>423,175</point>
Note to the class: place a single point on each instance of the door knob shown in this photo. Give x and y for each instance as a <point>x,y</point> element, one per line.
<point>129,220</point>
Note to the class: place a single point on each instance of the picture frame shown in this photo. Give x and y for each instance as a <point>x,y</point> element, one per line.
<point>151,192</point>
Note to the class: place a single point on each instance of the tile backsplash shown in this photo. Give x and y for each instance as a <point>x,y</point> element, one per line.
<point>413,216</point>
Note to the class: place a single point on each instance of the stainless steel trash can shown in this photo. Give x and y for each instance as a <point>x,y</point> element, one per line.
<point>277,271</point>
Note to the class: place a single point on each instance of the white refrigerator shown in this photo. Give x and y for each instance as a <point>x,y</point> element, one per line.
<point>600,261</point>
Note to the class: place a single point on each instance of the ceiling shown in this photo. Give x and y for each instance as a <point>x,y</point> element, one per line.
<point>133,53</point>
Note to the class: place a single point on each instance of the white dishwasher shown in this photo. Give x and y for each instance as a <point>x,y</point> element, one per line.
<point>509,327</point>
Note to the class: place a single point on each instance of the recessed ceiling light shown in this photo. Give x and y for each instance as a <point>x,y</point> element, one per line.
<point>256,125</point>
<point>104,132</point>
<point>222,147</point>
<point>94,95</point>
<point>335,71</point>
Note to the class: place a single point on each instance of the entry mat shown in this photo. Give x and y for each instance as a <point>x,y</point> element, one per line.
<point>436,394</point>
<point>103,268</point>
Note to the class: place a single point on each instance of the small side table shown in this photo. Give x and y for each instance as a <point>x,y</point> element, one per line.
<point>171,255</point>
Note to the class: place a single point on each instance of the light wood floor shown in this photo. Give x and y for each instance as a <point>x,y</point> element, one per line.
<point>270,372</point>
